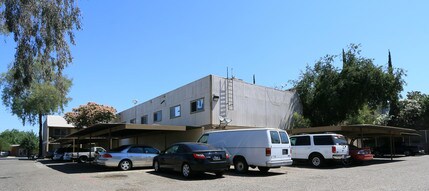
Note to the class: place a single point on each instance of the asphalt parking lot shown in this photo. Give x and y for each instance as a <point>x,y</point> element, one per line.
<point>403,173</point>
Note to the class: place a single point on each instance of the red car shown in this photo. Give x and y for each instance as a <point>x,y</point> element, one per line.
<point>360,154</point>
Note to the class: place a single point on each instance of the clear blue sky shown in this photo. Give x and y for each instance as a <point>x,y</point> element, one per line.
<point>141,49</point>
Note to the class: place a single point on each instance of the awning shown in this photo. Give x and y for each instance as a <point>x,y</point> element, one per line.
<point>122,130</point>
<point>357,130</point>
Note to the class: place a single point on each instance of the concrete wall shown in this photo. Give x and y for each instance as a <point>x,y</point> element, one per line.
<point>253,105</point>
<point>162,140</point>
<point>181,96</point>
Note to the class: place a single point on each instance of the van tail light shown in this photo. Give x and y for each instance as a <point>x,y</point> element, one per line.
<point>267,152</point>
<point>199,156</point>
<point>334,149</point>
<point>227,156</point>
<point>106,155</point>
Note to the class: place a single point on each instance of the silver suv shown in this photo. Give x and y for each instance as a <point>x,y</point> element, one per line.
<point>317,148</point>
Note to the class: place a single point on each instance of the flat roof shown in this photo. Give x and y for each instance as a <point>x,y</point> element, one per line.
<point>357,130</point>
<point>122,130</point>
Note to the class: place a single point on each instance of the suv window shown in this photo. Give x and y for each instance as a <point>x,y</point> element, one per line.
<point>284,137</point>
<point>275,138</point>
<point>299,141</point>
<point>341,140</point>
<point>323,140</point>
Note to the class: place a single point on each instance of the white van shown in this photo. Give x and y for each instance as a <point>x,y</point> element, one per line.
<point>264,148</point>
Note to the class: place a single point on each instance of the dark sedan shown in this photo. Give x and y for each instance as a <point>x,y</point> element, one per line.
<point>190,158</point>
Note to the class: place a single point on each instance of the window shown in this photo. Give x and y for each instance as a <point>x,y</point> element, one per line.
<point>61,132</point>
<point>133,120</point>
<point>275,138</point>
<point>143,119</point>
<point>175,111</point>
<point>284,137</point>
<point>151,150</point>
<point>203,139</point>
<point>323,140</point>
<point>340,140</point>
<point>197,105</point>
<point>157,116</point>
<point>299,141</point>
<point>172,149</point>
<point>136,150</point>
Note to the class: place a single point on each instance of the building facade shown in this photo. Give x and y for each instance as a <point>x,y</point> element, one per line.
<point>215,102</point>
<point>54,128</point>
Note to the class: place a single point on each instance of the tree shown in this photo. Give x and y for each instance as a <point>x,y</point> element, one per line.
<point>13,136</point>
<point>43,97</point>
<point>29,143</point>
<point>4,145</point>
<point>331,95</point>
<point>90,114</point>
<point>39,28</point>
<point>414,111</point>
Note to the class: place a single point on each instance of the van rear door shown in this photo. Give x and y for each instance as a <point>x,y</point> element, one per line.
<point>280,146</point>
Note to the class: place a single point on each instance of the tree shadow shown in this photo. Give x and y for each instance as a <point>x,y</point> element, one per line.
<point>178,176</point>
<point>337,164</point>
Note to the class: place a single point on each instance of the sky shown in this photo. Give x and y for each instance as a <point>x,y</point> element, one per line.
<point>137,50</point>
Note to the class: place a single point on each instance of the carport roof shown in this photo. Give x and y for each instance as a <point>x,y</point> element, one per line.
<point>122,130</point>
<point>358,130</point>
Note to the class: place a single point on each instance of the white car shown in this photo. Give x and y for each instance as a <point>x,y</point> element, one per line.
<point>317,148</point>
<point>264,148</point>
<point>128,156</point>
<point>83,155</point>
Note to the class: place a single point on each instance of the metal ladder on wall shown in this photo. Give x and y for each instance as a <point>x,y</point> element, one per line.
<point>230,93</point>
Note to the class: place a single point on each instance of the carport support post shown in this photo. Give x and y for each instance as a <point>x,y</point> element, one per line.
<point>391,146</point>
<point>110,139</point>
<point>361,138</point>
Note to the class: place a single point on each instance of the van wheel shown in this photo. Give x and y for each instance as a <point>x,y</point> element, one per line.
<point>263,169</point>
<point>317,160</point>
<point>240,165</point>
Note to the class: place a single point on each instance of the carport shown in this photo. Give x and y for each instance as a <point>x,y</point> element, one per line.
<point>159,136</point>
<point>361,131</point>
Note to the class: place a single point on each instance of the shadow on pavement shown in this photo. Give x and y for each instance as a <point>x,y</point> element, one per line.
<point>74,168</point>
<point>336,165</point>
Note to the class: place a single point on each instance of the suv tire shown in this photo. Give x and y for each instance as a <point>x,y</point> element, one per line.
<point>316,160</point>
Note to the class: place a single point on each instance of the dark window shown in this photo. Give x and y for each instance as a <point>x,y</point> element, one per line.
<point>284,137</point>
<point>133,120</point>
<point>136,150</point>
<point>340,140</point>
<point>119,149</point>
<point>151,150</point>
<point>182,149</point>
<point>143,119</point>
<point>299,141</point>
<point>175,111</point>
<point>197,105</point>
<point>275,138</point>
<point>157,116</point>
<point>204,138</point>
<point>172,149</point>
<point>323,140</point>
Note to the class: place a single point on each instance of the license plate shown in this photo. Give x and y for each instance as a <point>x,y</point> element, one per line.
<point>285,151</point>
<point>216,157</point>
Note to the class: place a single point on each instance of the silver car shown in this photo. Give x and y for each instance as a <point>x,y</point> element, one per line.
<point>128,156</point>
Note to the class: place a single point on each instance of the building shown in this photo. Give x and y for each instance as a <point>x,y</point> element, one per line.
<point>214,102</point>
<point>55,128</point>
<point>183,114</point>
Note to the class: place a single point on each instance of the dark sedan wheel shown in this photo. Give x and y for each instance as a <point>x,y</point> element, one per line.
<point>219,173</point>
<point>156,166</point>
<point>125,165</point>
<point>186,170</point>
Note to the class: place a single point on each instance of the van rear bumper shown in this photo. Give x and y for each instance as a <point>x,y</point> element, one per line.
<point>287,162</point>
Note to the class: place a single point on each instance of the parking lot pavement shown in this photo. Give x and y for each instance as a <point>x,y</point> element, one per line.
<point>403,173</point>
